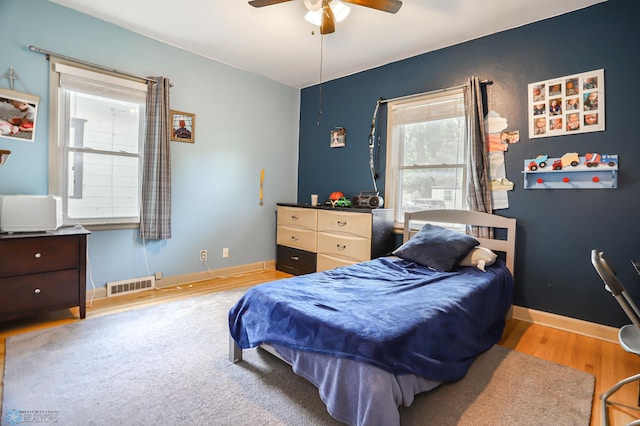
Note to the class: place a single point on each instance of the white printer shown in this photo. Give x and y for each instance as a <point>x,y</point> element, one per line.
<point>30,213</point>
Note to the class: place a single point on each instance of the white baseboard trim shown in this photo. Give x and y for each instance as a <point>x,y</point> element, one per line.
<point>584,328</point>
<point>101,292</point>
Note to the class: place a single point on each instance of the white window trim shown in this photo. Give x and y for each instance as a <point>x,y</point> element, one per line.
<point>394,152</point>
<point>57,154</point>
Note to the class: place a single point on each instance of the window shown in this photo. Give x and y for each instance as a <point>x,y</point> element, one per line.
<point>96,145</point>
<point>426,153</point>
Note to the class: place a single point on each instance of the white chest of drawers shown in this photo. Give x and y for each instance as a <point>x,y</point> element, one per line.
<point>313,239</point>
<point>297,228</point>
<point>343,238</point>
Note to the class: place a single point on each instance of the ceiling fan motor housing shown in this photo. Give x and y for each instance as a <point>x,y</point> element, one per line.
<point>328,19</point>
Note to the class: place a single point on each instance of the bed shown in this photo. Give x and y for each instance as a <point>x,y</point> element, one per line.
<point>372,335</point>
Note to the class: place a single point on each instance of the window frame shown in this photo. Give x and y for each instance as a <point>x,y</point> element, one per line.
<point>60,145</point>
<point>395,146</point>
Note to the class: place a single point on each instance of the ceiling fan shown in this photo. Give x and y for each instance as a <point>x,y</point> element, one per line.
<point>327,24</point>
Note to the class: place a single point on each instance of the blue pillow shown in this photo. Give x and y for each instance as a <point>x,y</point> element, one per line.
<point>437,247</point>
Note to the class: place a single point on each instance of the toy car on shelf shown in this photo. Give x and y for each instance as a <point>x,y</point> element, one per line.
<point>342,202</point>
<point>337,199</point>
<point>593,159</point>
<point>540,161</point>
<point>569,159</point>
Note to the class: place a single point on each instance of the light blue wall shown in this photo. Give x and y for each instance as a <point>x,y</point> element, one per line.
<point>244,123</point>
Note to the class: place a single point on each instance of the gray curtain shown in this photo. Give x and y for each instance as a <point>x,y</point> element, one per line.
<point>478,191</point>
<point>155,220</point>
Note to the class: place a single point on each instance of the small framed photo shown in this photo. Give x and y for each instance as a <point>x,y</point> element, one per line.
<point>183,126</point>
<point>18,113</point>
<point>338,136</point>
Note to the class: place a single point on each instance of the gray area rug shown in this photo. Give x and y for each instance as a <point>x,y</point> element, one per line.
<point>167,365</point>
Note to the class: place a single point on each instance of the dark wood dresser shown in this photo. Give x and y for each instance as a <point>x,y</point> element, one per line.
<point>43,271</point>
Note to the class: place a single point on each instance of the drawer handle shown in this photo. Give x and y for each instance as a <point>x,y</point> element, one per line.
<point>36,291</point>
<point>38,255</point>
<point>342,223</point>
<point>296,258</point>
<point>294,217</point>
<point>341,246</point>
<point>295,238</point>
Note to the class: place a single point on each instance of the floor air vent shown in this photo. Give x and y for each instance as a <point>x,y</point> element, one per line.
<point>134,285</point>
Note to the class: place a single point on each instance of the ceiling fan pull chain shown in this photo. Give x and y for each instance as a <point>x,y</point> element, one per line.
<point>320,89</point>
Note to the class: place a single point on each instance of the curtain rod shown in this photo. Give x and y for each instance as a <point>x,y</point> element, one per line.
<point>402,98</point>
<point>103,68</point>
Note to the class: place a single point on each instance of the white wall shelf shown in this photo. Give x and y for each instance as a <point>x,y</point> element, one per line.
<point>582,176</point>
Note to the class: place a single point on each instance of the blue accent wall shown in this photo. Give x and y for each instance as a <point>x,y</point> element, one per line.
<point>556,228</point>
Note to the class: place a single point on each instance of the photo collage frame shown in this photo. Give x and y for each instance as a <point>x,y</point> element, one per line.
<point>567,105</point>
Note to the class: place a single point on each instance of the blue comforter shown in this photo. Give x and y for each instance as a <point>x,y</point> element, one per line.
<point>388,312</point>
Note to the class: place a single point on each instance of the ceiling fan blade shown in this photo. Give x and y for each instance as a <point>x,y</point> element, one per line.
<point>328,24</point>
<point>391,6</point>
<point>261,3</point>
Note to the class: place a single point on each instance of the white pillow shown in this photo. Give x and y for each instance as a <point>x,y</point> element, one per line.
<point>479,257</point>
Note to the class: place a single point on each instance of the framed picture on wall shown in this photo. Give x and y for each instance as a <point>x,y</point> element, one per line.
<point>183,126</point>
<point>567,105</point>
<point>18,114</point>
<point>338,136</point>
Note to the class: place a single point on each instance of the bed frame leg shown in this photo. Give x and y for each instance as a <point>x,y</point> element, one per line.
<point>235,353</point>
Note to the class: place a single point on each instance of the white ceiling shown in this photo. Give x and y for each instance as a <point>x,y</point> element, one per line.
<point>276,42</point>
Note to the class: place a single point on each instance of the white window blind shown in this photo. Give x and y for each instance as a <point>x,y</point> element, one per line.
<point>429,108</point>
<point>95,83</point>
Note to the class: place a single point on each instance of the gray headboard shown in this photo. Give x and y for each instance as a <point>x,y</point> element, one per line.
<point>468,217</point>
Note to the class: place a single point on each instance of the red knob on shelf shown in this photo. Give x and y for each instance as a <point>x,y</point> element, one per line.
<point>596,179</point>
<point>539,180</point>
<point>565,180</point>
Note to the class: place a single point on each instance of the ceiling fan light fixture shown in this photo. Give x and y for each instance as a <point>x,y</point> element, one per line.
<point>340,11</point>
<point>313,5</point>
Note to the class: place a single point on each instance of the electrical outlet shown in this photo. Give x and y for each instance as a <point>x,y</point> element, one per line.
<point>158,275</point>
<point>203,255</point>
<point>225,252</point>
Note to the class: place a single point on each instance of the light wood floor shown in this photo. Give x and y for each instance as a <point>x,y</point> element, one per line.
<point>606,361</point>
